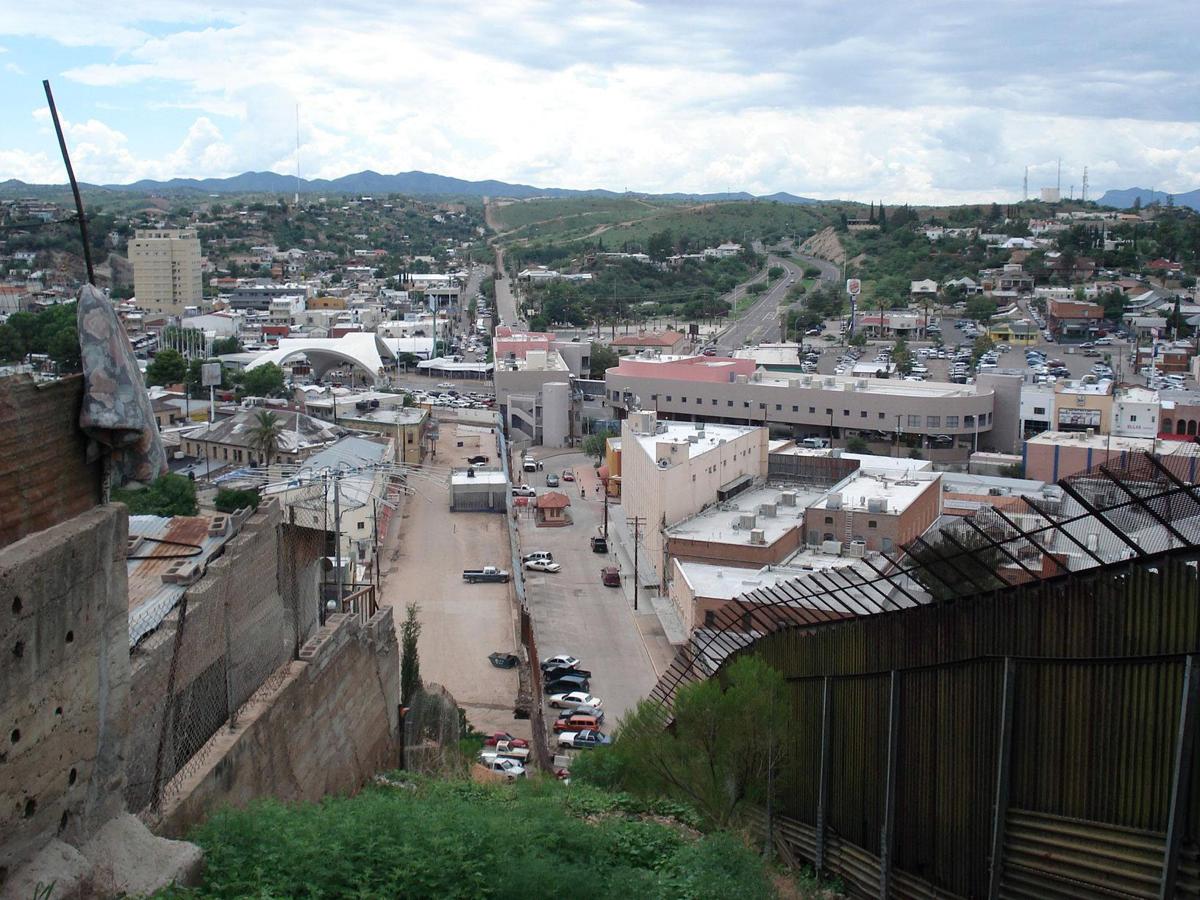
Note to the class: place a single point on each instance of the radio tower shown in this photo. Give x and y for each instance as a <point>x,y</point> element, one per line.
<point>1083,191</point>
<point>1058,178</point>
<point>1025,185</point>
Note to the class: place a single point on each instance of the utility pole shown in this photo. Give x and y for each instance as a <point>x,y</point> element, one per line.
<point>604,488</point>
<point>637,522</point>
<point>337,537</point>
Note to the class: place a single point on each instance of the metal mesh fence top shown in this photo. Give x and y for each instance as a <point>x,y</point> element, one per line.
<point>1136,509</point>
<point>432,730</point>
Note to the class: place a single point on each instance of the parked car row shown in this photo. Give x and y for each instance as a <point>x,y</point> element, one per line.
<point>567,686</point>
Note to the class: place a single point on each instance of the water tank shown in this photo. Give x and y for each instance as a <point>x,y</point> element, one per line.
<point>834,501</point>
<point>876,505</point>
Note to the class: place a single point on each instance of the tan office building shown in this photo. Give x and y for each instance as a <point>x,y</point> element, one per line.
<point>166,269</point>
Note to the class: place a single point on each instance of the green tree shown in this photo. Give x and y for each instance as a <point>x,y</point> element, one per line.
<point>264,436</point>
<point>410,660</point>
<point>596,444</point>
<point>228,500</point>
<point>902,357</point>
<point>660,245</point>
<point>858,339</point>
<point>168,495</point>
<point>981,309</point>
<point>720,754</point>
<point>263,381</point>
<point>222,346</point>
<point>775,272</point>
<point>12,348</point>
<point>167,367</point>
<point>857,445</point>
<point>602,359</point>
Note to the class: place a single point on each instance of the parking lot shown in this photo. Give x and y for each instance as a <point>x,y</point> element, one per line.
<point>574,613</point>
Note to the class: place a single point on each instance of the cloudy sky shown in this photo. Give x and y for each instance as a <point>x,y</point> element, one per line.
<point>893,99</point>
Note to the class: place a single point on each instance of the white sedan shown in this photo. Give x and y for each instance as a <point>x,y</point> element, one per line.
<point>562,661</point>
<point>542,565</point>
<point>575,698</point>
<point>446,385</point>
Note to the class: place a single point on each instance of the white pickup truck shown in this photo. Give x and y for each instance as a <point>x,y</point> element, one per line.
<point>509,768</point>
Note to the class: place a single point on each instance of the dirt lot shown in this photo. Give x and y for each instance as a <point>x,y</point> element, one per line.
<point>461,624</point>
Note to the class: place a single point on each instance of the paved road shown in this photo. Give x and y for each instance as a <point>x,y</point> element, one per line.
<point>574,613</point>
<point>506,303</point>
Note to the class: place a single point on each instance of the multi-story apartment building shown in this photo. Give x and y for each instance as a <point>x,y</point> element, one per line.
<point>166,270</point>
<point>950,420</point>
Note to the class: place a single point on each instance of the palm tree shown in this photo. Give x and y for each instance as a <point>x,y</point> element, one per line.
<point>264,436</point>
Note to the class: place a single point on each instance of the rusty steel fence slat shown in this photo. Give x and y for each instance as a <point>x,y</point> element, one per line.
<point>1004,707</point>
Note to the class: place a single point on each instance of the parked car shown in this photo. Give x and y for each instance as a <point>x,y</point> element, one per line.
<point>551,480</point>
<point>538,554</point>
<point>610,576</point>
<point>584,740</point>
<point>582,710</point>
<point>561,661</point>
<point>560,672</point>
<point>487,573</point>
<point>542,565</point>
<point>476,459</point>
<point>577,722</point>
<point>497,737</point>
<point>523,490</point>
<point>566,684</point>
<point>574,700</point>
<point>509,768</point>
<point>568,475</point>
<point>599,544</point>
<point>446,385</point>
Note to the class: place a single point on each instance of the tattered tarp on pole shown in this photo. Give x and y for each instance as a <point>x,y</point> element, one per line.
<point>116,408</point>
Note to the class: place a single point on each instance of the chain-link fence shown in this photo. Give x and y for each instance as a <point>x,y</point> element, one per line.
<point>224,645</point>
<point>432,730</point>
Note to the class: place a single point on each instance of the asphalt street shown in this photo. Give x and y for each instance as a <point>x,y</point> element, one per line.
<point>760,322</point>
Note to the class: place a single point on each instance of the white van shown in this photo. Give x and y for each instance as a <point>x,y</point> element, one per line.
<point>815,443</point>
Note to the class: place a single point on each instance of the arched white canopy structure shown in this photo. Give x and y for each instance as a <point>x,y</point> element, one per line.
<point>364,350</point>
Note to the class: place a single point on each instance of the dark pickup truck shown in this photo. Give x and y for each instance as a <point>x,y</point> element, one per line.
<point>487,573</point>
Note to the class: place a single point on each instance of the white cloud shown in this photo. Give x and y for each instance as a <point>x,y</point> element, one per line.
<point>874,101</point>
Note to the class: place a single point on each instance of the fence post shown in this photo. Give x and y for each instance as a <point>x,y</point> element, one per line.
<point>1181,778</point>
<point>1003,767</point>
<point>823,783</point>
<point>888,838</point>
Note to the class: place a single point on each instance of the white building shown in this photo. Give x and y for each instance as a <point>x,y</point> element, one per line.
<point>1136,412</point>
<point>1037,408</point>
<point>166,269</point>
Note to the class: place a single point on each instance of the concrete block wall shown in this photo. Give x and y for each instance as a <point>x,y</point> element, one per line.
<point>332,724</point>
<point>64,682</point>
<point>45,477</point>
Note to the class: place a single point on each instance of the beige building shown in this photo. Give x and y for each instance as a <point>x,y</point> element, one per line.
<point>672,470</point>
<point>166,269</point>
<point>874,512</point>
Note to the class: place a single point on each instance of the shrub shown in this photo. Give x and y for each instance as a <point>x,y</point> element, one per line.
<point>229,501</point>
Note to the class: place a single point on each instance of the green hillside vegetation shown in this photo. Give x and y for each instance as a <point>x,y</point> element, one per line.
<point>414,837</point>
<point>572,212</point>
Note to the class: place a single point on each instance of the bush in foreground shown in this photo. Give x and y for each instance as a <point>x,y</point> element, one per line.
<point>460,839</point>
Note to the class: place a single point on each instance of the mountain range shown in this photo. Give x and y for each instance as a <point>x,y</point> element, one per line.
<point>1124,199</point>
<point>406,183</point>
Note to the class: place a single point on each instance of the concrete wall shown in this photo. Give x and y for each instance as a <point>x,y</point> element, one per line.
<point>332,724</point>
<point>44,476</point>
<point>64,682</point>
<point>743,554</point>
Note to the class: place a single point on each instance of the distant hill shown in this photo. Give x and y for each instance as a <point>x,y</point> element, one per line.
<point>407,183</point>
<point>1125,199</point>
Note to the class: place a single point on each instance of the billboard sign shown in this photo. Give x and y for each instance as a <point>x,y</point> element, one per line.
<point>1079,418</point>
<point>210,374</point>
<point>853,287</point>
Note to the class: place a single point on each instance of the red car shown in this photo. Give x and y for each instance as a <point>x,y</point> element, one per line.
<point>499,737</point>
<point>568,475</point>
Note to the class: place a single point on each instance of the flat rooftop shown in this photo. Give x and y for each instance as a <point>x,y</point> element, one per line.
<point>391,415</point>
<point>677,433</point>
<point>721,523</point>
<point>481,476</point>
<point>727,583</point>
<point>891,386</point>
<point>899,492</point>
<point>1093,441</point>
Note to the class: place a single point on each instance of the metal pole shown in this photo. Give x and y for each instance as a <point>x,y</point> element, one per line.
<point>62,145</point>
<point>887,841</point>
<point>1003,767</point>
<point>337,538</point>
<point>1181,778</point>
<point>823,783</point>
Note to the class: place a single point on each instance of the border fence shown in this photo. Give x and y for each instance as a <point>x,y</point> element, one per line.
<point>1005,708</point>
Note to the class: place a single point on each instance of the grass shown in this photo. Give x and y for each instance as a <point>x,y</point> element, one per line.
<point>428,838</point>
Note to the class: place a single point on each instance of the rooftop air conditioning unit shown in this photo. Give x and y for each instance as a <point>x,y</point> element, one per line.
<point>693,438</point>
<point>831,548</point>
<point>850,386</point>
<point>758,536</point>
<point>857,549</point>
<point>833,501</point>
<point>806,381</point>
<point>876,504</point>
<point>829,381</point>
<point>747,520</point>
<point>767,510</point>
<point>788,498</point>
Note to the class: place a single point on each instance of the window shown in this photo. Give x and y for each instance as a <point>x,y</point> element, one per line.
<point>951,421</point>
<point>778,407</point>
<point>729,403</point>
<point>933,421</point>
<point>746,404</point>
<point>828,412</point>
<point>362,525</point>
<point>762,406</point>
<point>871,523</point>
<point>914,421</point>
<point>681,399</point>
<point>862,414</point>
<point>795,409</point>
<point>714,401</point>
<point>829,520</point>
<point>881,417</point>
<point>1133,418</point>
<point>654,396</point>
<point>846,413</point>
<point>710,618</point>
<point>668,398</point>
<point>812,409</point>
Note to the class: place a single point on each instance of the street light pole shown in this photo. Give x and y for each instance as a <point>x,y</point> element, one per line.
<point>637,522</point>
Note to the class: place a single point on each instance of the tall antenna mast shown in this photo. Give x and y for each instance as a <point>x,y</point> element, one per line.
<point>1058,180</point>
<point>1083,191</point>
<point>296,201</point>
<point>1025,185</point>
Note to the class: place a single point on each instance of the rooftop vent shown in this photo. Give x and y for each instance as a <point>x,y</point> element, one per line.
<point>787,498</point>
<point>831,548</point>
<point>834,501</point>
<point>747,520</point>
<point>767,510</point>
<point>758,536</point>
<point>857,549</point>
<point>876,505</point>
